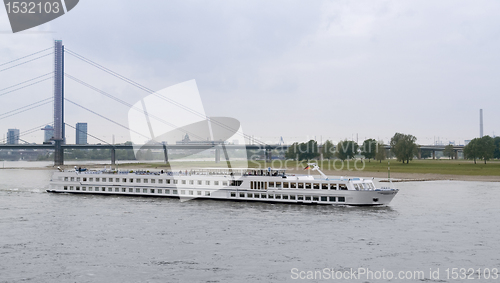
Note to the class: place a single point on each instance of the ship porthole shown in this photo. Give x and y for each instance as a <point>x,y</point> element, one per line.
<point>375,199</point>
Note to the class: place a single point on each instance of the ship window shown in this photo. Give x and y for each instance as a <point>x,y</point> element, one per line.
<point>103,189</point>
<point>90,189</point>
<point>343,187</point>
<point>160,181</point>
<point>78,179</point>
<point>70,188</point>
<point>316,186</point>
<point>152,191</point>
<point>207,194</point>
<point>224,183</point>
<point>256,195</point>
<point>285,185</point>
<point>65,178</point>
<point>176,181</point>
<point>77,188</point>
<point>153,181</point>
<point>183,192</point>
<point>285,196</point>
<point>167,192</point>
<point>167,181</point>
<point>278,196</point>
<point>332,199</point>
<point>111,180</point>
<point>160,191</point>
<point>341,199</point>
<point>72,179</point>
<point>233,194</point>
<point>271,184</point>
<point>300,185</point>
<point>174,192</point>
<point>242,195</point>
<point>293,185</point>
<point>117,190</point>
<point>236,183</point>
<point>324,186</point>
<point>199,182</point>
<point>270,196</point>
<point>333,186</point>
<point>250,195</point>
<point>191,182</point>
<point>116,180</point>
<point>137,190</point>
<point>138,180</point>
<point>315,199</point>
<point>356,187</point>
<point>124,180</point>
<point>91,179</point>
<point>323,198</point>
<point>65,188</point>
<point>191,193</point>
<point>198,193</point>
<point>308,185</point>
<point>85,179</point>
<point>263,196</point>
<point>130,190</point>
<point>124,190</point>
<point>146,181</point>
<point>292,197</point>
<point>144,190</point>
<point>97,179</point>
<point>207,182</point>
<point>110,189</point>
<point>308,197</point>
<point>131,180</point>
<point>183,182</point>
<point>216,183</point>
<point>278,184</point>
<point>300,197</point>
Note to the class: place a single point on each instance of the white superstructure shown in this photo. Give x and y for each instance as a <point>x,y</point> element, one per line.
<point>268,185</point>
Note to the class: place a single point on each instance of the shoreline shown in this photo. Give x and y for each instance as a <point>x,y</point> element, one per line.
<point>395,176</point>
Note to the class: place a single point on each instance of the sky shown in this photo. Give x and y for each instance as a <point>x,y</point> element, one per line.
<point>294,69</point>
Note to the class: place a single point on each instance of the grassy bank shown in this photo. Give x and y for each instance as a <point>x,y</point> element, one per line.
<point>335,167</point>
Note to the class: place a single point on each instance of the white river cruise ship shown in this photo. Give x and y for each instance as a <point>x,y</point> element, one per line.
<point>268,185</point>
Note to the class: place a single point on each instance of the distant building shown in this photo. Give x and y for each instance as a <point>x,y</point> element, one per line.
<point>186,140</point>
<point>49,133</point>
<point>13,136</point>
<point>81,133</point>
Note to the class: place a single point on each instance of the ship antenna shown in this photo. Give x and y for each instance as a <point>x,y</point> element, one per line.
<point>316,167</point>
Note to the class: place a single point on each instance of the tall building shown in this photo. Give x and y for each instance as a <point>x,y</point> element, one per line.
<point>49,133</point>
<point>81,133</point>
<point>13,136</point>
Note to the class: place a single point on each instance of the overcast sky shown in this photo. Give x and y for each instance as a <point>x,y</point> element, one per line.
<point>296,69</point>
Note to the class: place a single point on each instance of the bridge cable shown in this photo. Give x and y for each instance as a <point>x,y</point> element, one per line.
<point>2,94</point>
<point>74,54</point>
<point>26,81</point>
<point>88,134</point>
<point>47,100</point>
<point>25,56</point>
<point>27,132</point>
<point>27,62</point>
<point>130,105</point>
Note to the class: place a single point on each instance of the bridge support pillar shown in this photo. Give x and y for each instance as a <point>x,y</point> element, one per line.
<point>433,154</point>
<point>456,154</point>
<point>113,156</point>
<point>165,153</point>
<point>269,155</point>
<point>419,153</point>
<point>217,155</point>
<point>58,153</point>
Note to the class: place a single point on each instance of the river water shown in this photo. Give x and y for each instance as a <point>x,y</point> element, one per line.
<point>429,227</point>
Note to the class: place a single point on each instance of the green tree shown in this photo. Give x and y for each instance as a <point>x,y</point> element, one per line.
<point>448,151</point>
<point>303,151</point>
<point>471,150</point>
<point>425,153</point>
<point>380,155</point>
<point>486,147</point>
<point>496,152</point>
<point>404,147</point>
<point>346,149</point>
<point>369,149</point>
<point>328,150</point>
<point>291,152</point>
